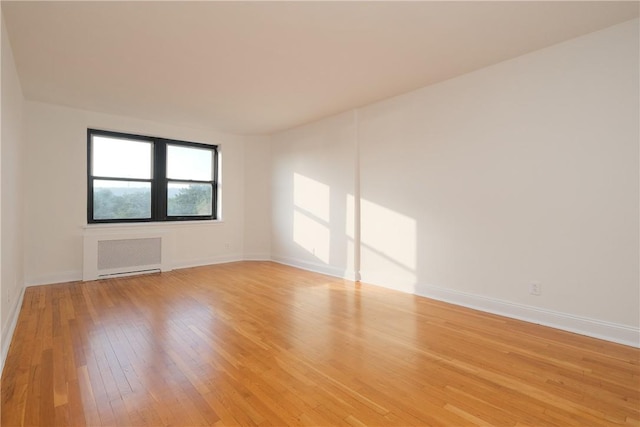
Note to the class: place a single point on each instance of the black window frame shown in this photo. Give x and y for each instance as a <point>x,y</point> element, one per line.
<point>159,180</point>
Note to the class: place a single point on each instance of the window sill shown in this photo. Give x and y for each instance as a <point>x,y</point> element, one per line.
<point>163,224</point>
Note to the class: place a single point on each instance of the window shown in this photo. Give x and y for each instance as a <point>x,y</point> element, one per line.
<point>135,178</point>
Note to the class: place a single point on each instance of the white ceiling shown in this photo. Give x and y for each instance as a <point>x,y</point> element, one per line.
<point>260,67</point>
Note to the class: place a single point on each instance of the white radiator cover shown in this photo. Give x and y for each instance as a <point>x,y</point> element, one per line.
<point>109,254</point>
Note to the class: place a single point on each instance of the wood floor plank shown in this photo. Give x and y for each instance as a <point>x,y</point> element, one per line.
<point>259,343</point>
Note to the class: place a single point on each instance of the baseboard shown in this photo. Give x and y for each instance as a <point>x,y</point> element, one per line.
<point>7,332</point>
<point>257,256</point>
<point>220,259</point>
<point>74,276</point>
<point>67,276</point>
<point>621,334</point>
<point>316,268</point>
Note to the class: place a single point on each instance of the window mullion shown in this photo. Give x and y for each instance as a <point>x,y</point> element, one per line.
<point>160,181</point>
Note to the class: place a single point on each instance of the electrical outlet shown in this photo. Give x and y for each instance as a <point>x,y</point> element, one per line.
<point>226,246</point>
<point>535,288</point>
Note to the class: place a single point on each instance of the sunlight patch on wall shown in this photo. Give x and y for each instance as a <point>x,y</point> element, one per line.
<point>390,233</point>
<point>350,219</point>
<point>311,235</point>
<point>353,251</point>
<point>389,247</point>
<point>311,201</point>
<point>311,196</point>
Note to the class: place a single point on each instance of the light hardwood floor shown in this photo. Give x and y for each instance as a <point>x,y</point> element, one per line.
<point>257,343</point>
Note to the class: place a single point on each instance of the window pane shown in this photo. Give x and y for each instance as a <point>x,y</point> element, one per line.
<point>194,164</point>
<point>121,158</point>
<point>121,199</point>
<point>188,199</point>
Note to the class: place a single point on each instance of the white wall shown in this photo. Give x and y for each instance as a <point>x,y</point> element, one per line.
<point>525,171</point>
<point>12,192</point>
<point>312,190</point>
<point>257,198</point>
<point>56,193</point>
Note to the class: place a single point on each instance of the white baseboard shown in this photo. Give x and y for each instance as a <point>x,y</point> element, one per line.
<point>50,279</point>
<point>74,276</point>
<point>315,267</point>
<point>608,331</point>
<point>257,256</point>
<point>9,329</point>
<point>220,259</point>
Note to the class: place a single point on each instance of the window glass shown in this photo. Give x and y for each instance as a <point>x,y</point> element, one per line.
<point>189,199</point>
<point>121,199</point>
<point>195,164</point>
<point>121,158</point>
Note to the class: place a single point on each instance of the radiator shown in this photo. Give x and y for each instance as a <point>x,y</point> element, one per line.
<point>108,255</point>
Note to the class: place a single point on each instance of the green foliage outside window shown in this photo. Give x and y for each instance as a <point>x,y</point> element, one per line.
<point>122,203</point>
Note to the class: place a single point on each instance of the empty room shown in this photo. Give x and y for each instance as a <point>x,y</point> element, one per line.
<point>357,213</point>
